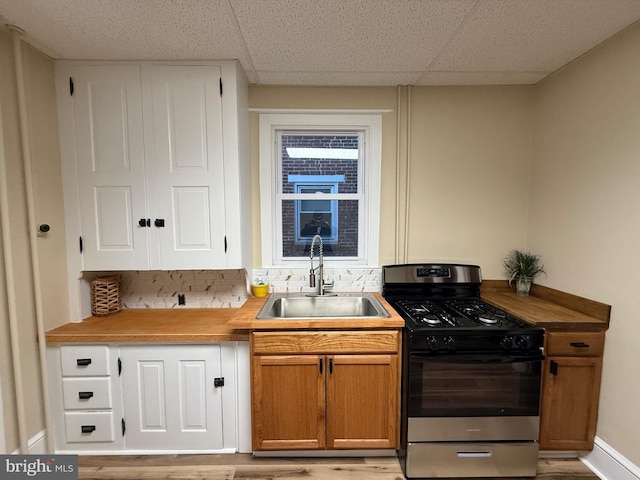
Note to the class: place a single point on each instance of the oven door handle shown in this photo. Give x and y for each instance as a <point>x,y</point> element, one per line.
<point>475,358</point>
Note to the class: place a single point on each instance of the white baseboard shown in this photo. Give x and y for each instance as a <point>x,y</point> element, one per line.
<point>37,444</point>
<point>609,464</point>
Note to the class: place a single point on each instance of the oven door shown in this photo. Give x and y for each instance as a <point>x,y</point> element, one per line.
<point>478,385</point>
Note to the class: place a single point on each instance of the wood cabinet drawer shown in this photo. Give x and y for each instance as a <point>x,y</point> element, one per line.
<point>326,342</point>
<point>89,427</point>
<point>86,393</point>
<point>575,344</point>
<point>85,360</point>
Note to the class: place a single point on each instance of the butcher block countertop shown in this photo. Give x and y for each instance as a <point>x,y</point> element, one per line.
<point>548,308</point>
<point>191,325</point>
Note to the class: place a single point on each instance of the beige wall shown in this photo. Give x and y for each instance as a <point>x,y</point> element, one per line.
<point>38,72</point>
<point>585,204</point>
<point>467,151</point>
<point>469,174</point>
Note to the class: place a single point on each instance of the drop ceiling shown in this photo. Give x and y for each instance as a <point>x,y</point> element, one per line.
<point>332,42</point>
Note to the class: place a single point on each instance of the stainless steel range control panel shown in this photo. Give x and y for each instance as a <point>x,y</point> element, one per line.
<point>438,272</point>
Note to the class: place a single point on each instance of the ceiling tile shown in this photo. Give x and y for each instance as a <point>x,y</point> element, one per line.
<point>123,30</point>
<point>338,78</point>
<point>539,35</point>
<point>481,78</point>
<point>347,36</point>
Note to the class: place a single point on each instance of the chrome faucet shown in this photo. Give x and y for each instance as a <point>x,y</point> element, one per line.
<point>323,286</point>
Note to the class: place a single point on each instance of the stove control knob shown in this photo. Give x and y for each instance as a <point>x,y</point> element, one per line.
<point>432,343</point>
<point>523,342</point>
<point>449,343</point>
<point>507,342</point>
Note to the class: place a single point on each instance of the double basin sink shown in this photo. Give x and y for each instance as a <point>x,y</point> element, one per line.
<point>343,305</point>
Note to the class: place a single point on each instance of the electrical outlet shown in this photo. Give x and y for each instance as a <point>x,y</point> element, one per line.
<point>181,299</point>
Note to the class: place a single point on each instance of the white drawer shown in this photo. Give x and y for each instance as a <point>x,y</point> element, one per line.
<point>86,393</point>
<point>85,360</point>
<point>89,427</point>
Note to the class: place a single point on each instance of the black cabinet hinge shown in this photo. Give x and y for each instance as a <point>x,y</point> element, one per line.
<point>71,86</point>
<point>553,368</point>
<point>80,243</point>
<point>218,382</point>
<point>124,427</point>
<point>221,87</point>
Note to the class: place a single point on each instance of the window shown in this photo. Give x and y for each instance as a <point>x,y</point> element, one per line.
<point>320,175</point>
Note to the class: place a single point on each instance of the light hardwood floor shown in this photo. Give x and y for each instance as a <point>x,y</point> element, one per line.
<point>245,466</point>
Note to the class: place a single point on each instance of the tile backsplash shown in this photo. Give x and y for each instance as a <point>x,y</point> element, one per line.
<point>229,288</point>
<point>201,289</point>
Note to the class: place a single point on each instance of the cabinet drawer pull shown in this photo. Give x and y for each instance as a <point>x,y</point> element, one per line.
<point>85,395</point>
<point>579,344</point>
<point>83,362</point>
<point>88,428</point>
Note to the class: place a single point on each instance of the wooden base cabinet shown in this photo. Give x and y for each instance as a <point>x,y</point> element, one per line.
<point>315,390</point>
<point>570,390</point>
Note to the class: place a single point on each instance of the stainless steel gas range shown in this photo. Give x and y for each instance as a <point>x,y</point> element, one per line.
<point>471,376</point>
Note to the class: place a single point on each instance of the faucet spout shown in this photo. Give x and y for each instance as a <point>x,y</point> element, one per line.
<point>322,285</point>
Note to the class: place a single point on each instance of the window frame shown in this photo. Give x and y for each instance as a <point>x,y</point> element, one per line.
<point>370,128</point>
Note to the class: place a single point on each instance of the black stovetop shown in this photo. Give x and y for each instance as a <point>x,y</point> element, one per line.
<point>454,314</point>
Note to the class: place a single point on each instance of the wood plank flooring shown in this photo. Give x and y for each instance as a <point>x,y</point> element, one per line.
<point>245,466</point>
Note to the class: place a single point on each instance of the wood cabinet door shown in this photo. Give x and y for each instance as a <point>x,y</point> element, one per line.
<point>288,402</point>
<point>569,410</point>
<point>184,140</point>
<point>170,400</point>
<point>362,401</point>
<point>109,150</point>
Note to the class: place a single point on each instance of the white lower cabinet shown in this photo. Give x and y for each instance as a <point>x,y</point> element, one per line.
<point>172,395</point>
<point>153,398</point>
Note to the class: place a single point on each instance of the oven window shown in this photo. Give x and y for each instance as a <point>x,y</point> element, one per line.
<point>465,386</point>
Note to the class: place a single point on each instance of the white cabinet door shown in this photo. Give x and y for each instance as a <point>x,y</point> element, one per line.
<point>185,144</point>
<point>109,147</point>
<point>170,400</point>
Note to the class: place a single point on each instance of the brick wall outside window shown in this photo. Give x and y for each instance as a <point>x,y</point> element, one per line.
<point>347,209</point>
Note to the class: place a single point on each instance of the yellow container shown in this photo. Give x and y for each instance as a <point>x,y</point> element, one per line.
<point>260,290</point>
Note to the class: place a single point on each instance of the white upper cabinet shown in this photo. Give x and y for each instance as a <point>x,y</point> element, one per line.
<point>109,150</point>
<point>152,156</point>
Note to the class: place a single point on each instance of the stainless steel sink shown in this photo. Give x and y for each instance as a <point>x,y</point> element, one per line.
<point>343,305</point>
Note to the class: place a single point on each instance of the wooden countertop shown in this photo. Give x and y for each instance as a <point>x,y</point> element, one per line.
<point>191,325</point>
<point>247,319</point>
<point>153,325</point>
<point>548,308</point>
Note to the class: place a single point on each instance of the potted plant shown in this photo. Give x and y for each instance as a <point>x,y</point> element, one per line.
<point>522,267</point>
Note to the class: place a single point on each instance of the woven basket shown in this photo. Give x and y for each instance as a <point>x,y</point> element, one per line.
<point>105,295</point>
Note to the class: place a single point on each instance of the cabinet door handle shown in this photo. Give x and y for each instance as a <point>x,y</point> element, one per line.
<point>85,395</point>
<point>88,428</point>
<point>320,366</point>
<point>83,362</point>
<point>579,344</point>
<point>331,365</point>
<point>553,368</point>
<point>159,222</point>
